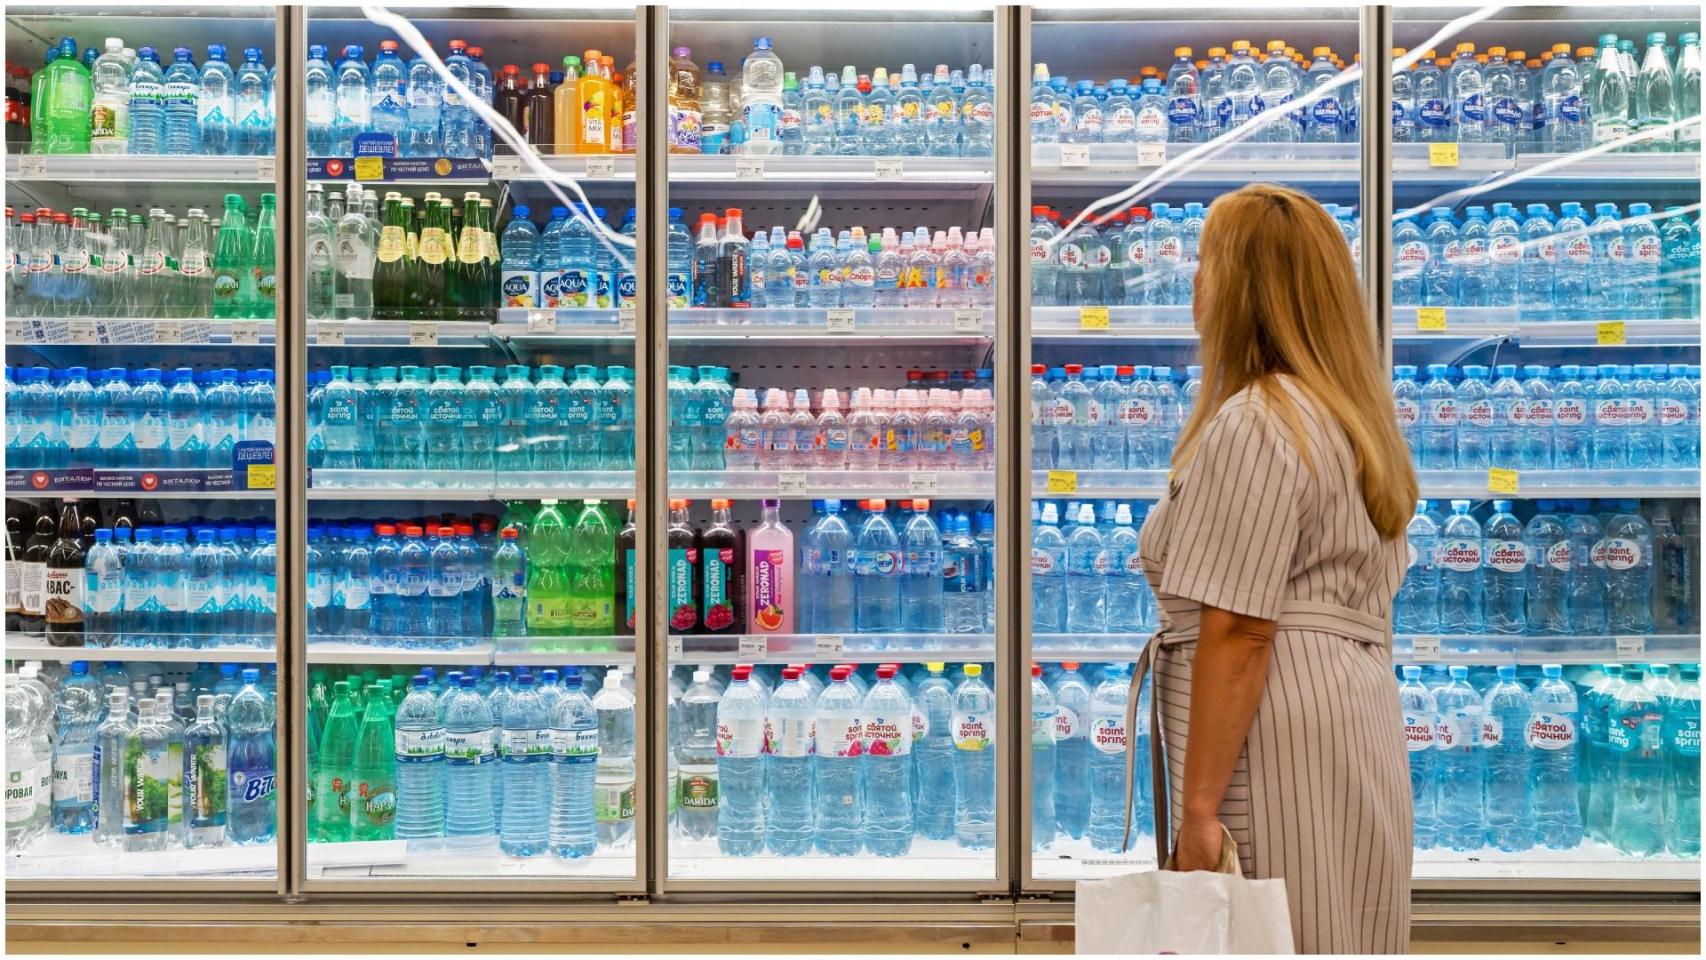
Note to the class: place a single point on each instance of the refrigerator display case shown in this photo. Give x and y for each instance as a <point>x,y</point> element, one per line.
<point>141,609</point>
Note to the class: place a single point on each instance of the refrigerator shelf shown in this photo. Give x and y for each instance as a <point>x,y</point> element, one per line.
<point>861,325</point>
<point>1099,484</point>
<point>485,653</point>
<point>833,648</point>
<point>1590,861</point>
<point>1535,484</point>
<point>938,860</point>
<point>1068,859</point>
<point>870,176</point>
<point>127,169</point>
<point>59,856</point>
<point>476,486</point>
<point>34,646</point>
<point>1087,647</point>
<point>1125,164</point>
<point>455,858</point>
<point>1503,323</point>
<point>1154,324</point>
<point>832,484</point>
<point>1679,167</point>
<point>1496,649</point>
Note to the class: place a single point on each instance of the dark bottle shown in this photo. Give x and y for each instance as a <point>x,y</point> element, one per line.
<point>682,580</point>
<point>32,577</point>
<point>123,515</point>
<point>63,590</point>
<point>391,265</point>
<point>14,569</point>
<point>511,104</point>
<point>474,280</point>
<point>148,515</point>
<point>433,263</point>
<point>541,109</point>
<point>91,523</point>
<point>494,269</point>
<point>722,598</point>
<point>627,560</point>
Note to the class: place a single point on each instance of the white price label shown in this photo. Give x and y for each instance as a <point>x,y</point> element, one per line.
<point>1075,155</point>
<point>828,645</point>
<point>604,167</point>
<point>83,331</point>
<point>839,320</point>
<point>330,333</point>
<point>626,319</point>
<point>423,334</point>
<point>890,168</point>
<point>922,484</point>
<point>1151,154</point>
<point>17,331</point>
<point>749,168</point>
<point>506,168</point>
<point>1631,648</point>
<point>791,481</point>
<point>168,331</point>
<point>673,648</point>
<point>246,333</point>
<point>266,168</point>
<point>541,321</point>
<point>32,165</point>
<point>1424,649</point>
<point>754,647</point>
<point>969,320</point>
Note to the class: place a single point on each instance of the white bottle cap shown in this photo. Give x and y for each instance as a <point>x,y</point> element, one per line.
<point>1087,514</point>
<point>701,675</point>
<point>775,398</point>
<point>861,398</point>
<point>832,400</point>
<point>1051,513</point>
<point>1122,514</point>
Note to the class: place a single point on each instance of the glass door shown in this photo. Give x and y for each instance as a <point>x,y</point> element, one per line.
<point>141,403</point>
<point>1137,121</point>
<point>832,694</point>
<point>1546,327</point>
<point>471,671</point>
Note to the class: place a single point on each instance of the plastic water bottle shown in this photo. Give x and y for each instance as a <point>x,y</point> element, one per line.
<point>1505,721</point>
<point>615,788</point>
<point>1087,572</point>
<point>1635,739</point>
<point>1461,763</point>
<point>840,745</point>
<point>145,107</point>
<point>1505,588</point>
<point>1440,416</point>
<point>252,751</point>
<point>320,103</point>
<point>1549,566</point>
<point>887,718</point>
<point>252,124</point>
<point>788,822</point>
<point>1048,573</point>
<point>1475,419</point>
<point>1071,803</point>
<point>574,759</point>
<point>933,755</point>
<point>215,104</point>
<point>420,764</point>
<point>1043,772</point>
<point>876,573</point>
<point>964,581</point>
<point>77,713</point>
<point>1643,432</point>
<point>470,759</point>
<point>1460,572</point>
<point>526,771</point>
<point>1444,260</point>
<point>1628,564</point>
<point>1416,608</point>
<point>974,761</point>
<point>1681,732</point>
<point>1421,717</point>
<point>1554,741</point>
<point>373,801</point>
<point>180,129</point>
<point>1108,739</point>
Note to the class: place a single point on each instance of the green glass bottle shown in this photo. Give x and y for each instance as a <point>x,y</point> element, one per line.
<point>263,263</point>
<point>473,273</point>
<point>392,266</point>
<point>432,270</point>
<point>374,797</point>
<point>231,254</point>
<point>331,814</point>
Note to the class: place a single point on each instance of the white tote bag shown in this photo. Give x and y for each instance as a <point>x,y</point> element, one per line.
<point>1200,912</point>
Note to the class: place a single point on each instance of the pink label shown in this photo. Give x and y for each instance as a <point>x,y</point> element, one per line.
<point>769,576</point>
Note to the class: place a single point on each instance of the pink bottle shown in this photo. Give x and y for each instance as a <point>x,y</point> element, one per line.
<point>770,574</point>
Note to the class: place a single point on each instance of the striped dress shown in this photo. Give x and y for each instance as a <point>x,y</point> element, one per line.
<point>1321,793</point>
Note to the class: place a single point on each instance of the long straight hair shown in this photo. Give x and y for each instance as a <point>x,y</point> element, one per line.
<point>1276,293</point>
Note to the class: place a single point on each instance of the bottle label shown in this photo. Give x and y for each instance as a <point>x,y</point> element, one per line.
<point>1505,249</point>
<point>1637,411</point>
<point>1685,737</point>
<point>468,748</point>
<point>578,745</point>
<point>841,736</point>
<point>1454,729</point>
<point>1558,556</point>
<point>1409,412</point>
<point>1620,554</point>
<point>1548,249</point>
<point>769,585</point>
<point>791,736</point>
<point>888,736</point>
<point>740,737</point>
<point>147,775</point>
<point>1608,411</point>
<point>1540,413</point>
<point>433,246</point>
<point>1635,730</point>
<point>1551,731</point>
<point>1506,556</point>
<point>973,732</point>
<point>1570,412</point>
<point>63,597</point>
<point>596,615</point>
<point>1412,256</point>
<point>1479,413</point>
<point>573,288</point>
<point>1473,108</point>
<point>1433,112</point>
<point>201,595</point>
<point>525,745</point>
<point>683,613</point>
<point>1418,732</point>
<point>1067,723</point>
<point>74,778</point>
<point>392,244</point>
<point>14,588</point>
<point>204,785</point>
<point>1492,731</point>
<point>1459,556</point>
<point>719,605</point>
<point>684,127</point>
<point>21,796</point>
<point>418,746</point>
<point>1108,733</point>
<point>613,802</point>
<point>1672,412</point>
<point>1043,563</point>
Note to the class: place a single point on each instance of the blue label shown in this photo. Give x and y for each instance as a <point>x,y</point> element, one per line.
<point>551,286</point>
<point>518,284</point>
<point>1505,111</point>
<point>627,287</point>
<point>1570,109</point>
<point>1433,113</point>
<point>375,145</point>
<point>1182,110</point>
<point>1223,110</point>
<point>1473,108</point>
<point>677,285</point>
<point>1326,112</point>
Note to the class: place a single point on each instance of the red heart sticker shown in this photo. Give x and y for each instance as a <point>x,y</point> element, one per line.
<point>148,482</point>
<point>334,168</point>
<point>39,480</point>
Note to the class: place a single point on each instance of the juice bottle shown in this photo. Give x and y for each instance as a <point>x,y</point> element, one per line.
<point>683,571</point>
<point>630,110</point>
<point>771,573</point>
<point>567,96</point>
<point>613,97</point>
<point>684,115</point>
<point>722,598</point>
<point>592,96</point>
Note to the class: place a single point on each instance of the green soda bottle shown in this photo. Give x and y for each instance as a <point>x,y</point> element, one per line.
<point>592,576</point>
<point>547,576</point>
<point>62,112</point>
<point>375,768</point>
<point>331,816</point>
<point>264,262</point>
<point>231,261</point>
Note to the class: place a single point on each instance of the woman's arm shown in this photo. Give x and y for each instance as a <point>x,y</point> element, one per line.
<point>1227,679</point>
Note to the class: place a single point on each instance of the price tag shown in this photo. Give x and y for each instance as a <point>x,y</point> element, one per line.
<point>625,319</point>
<point>1424,649</point>
<point>791,481</point>
<point>266,169</point>
<point>330,333</point>
<point>32,165</point>
<point>749,168</point>
<point>756,648</point>
<point>890,168</point>
<point>969,320</point>
<point>263,476</point>
<point>423,334</point>
<point>1074,155</point>
<point>1062,481</point>
<point>370,168</point>
<point>506,168</point>
<point>672,647</point>
<point>922,484</point>
<point>1611,333</point>
<point>1500,480</point>
<point>839,320</point>
<point>828,645</point>
<point>601,167</point>
<point>17,331</point>
<point>246,333</point>
<point>1631,648</point>
<point>1092,318</point>
<point>1430,318</point>
<point>83,331</point>
<point>1442,154</point>
<point>541,321</point>
<point>1151,154</point>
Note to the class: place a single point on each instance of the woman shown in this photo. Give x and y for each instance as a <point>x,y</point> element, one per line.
<point>1275,556</point>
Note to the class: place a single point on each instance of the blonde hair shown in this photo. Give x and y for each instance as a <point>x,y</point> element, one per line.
<point>1276,293</point>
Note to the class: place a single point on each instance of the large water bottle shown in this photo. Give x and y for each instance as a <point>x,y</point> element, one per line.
<point>1421,717</point>
<point>887,717</point>
<point>77,712</point>
<point>425,96</point>
<point>1072,752</point>
<point>933,755</point>
<point>1048,573</point>
<point>470,758</point>
<point>761,99</point>
<point>1505,588</point>
<point>1460,576</point>
<point>420,764</point>
<point>1635,740</point>
<point>526,771</point>
<point>1554,739</point>
<point>1416,608</point>
<point>1505,721</point>
<point>974,761</point>
<point>574,759</point>
<point>1444,260</point>
<point>180,85</point>
<point>1461,763</point>
<point>252,122</point>
<point>616,771</point>
<point>1681,730</point>
<point>1643,435</point>
<point>216,105</point>
<point>788,821</point>
<point>108,755</point>
<point>1679,422</point>
<point>252,751</point>
<point>1474,419</point>
<point>388,110</point>
<point>1628,564</point>
<point>1125,582</point>
<point>876,573</point>
<point>1549,566</point>
<point>354,100</point>
<point>1043,772</point>
<point>1108,738</point>
<point>145,110</point>
<point>1087,572</point>
<point>320,103</point>
<point>964,582</point>
<point>840,718</point>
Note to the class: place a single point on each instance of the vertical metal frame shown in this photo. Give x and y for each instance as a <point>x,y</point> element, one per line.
<point>1375,36</point>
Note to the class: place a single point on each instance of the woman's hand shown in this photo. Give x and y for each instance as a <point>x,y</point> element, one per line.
<point>1199,844</point>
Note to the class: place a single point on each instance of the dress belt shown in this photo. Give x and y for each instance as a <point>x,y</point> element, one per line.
<point>1184,628</point>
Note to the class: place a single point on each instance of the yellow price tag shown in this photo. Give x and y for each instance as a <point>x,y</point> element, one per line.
<point>1442,154</point>
<point>263,476</point>
<point>1092,318</point>
<point>370,168</point>
<point>1430,318</point>
<point>1063,481</point>
<point>1500,480</point>
<point>1611,333</point>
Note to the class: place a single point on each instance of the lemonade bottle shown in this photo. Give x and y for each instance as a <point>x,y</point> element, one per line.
<point>770,573</point>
